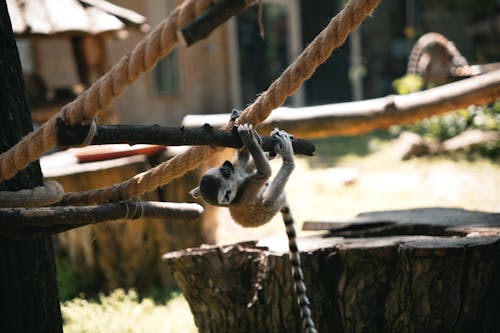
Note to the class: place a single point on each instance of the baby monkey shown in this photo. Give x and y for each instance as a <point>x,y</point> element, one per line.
<point>253,201</point>
<point>244,187</point>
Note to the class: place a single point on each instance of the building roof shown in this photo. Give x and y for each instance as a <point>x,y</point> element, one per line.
<point>47,18</point>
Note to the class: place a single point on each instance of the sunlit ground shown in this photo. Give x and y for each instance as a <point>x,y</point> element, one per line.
<point>122,312</point>
<point>316,191</point>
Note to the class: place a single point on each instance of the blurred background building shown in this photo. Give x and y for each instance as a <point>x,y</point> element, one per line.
<point>235,64</point>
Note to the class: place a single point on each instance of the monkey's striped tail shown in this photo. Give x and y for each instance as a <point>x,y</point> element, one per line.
<point>298,277</point>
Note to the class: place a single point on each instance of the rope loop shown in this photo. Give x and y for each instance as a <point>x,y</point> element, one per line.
<point>39,196</point>
<point>91,134</point>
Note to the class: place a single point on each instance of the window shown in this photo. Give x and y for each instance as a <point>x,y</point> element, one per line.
<point>166,75</point>
<point>261,61</point>
<point>26,55</point>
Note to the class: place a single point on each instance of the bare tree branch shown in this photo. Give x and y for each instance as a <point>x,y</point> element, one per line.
<point>365,116</point>
<point>55,219</point>
<point>73,135</point>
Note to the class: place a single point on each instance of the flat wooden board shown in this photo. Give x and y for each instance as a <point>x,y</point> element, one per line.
<point>435,216</point>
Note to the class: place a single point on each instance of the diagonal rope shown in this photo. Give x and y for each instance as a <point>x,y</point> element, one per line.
<point>290,80</point>
<point>98,97</point>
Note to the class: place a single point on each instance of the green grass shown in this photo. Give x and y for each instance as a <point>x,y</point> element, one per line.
<point>316,191</point>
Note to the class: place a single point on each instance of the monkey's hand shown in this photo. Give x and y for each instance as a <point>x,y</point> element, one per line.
<point>283,144</point>
<point>246,134</point>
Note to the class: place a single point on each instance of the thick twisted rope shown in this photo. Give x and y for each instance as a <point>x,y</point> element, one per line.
<point>304,66</point>
<point>39,196</point>
<point>99,96</point>
<point>290,80</point>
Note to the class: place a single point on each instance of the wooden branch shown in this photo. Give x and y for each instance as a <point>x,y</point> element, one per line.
<point>212,17</point>
<point>73,135</point>
<point>50,220</point>
<point>361,117</point>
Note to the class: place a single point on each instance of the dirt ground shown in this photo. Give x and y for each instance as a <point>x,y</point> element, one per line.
<point>319,190</point>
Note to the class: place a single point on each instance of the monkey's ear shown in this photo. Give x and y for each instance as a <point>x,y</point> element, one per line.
<point>195,192</point>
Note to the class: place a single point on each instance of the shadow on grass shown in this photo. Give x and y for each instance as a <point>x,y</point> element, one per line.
<point>330,150</point>
<point>159,295</point>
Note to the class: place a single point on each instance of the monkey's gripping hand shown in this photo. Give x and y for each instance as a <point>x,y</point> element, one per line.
<point>246,134</point>
<point>283,145</point>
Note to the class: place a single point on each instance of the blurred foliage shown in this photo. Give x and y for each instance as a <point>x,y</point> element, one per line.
<point>443,127</point>
<point>127,311</point>
<point>69,282</point>
<point>448,125</point>
<point>408,84</point>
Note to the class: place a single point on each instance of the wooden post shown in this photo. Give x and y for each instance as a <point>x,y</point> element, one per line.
<point>125,254</point>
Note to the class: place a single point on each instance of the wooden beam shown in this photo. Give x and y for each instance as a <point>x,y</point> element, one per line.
<point>55,219</point>
<point>365,116</point>
<point>128,16</point>
<point>73,135</point>
<point>212,17</point>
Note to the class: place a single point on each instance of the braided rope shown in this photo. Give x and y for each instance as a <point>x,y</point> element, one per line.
<point>99,96</point>
<point>304,66</point>
<point>39,196</point>
<point>290,80</point>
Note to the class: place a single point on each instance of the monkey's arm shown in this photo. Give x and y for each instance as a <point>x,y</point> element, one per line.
<point>276,190</point>
<point>256,181</point>
<point>259,159</point>
<point>244,161</point>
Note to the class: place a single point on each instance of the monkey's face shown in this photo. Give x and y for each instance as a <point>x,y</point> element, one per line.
<point>219,186</point>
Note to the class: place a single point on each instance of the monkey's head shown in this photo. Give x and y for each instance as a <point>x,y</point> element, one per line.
<point>218,186</point>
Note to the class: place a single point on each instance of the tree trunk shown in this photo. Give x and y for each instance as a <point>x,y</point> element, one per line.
<point>28,293</point>
<point>401,282</point>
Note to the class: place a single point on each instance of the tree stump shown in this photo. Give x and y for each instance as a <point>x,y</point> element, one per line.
<point>402,282</point>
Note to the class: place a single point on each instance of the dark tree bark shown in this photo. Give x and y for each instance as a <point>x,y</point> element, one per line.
<point>74,135</point>
<point>28,286</point>
<point>435,270</point>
